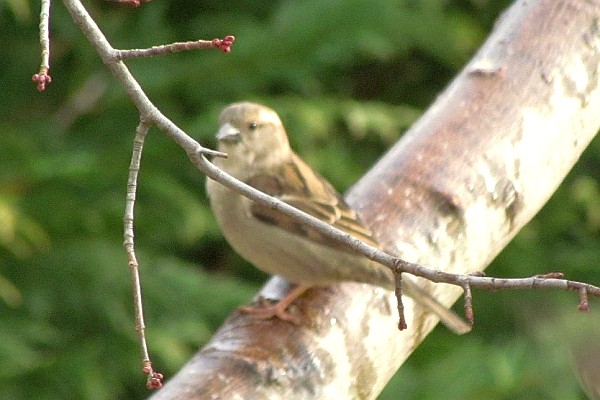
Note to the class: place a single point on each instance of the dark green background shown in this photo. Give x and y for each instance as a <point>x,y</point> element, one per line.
<point>347,77</point>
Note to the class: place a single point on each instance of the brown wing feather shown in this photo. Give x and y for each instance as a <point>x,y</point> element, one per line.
<point>299,186</point>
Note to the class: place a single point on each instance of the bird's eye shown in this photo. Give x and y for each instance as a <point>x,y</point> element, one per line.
<point>252,126</point>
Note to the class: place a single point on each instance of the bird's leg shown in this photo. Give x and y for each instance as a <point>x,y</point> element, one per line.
<point>265,310</point>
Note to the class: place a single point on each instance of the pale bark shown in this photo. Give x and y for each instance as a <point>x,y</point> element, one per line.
<point>450,194</point>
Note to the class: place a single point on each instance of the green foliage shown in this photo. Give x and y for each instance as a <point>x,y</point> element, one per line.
<point>340,73</point>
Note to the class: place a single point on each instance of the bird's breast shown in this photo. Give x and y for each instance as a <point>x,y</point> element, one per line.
<point>279,252</point>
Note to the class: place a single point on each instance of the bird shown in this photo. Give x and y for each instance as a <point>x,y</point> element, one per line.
<point>259,154</point>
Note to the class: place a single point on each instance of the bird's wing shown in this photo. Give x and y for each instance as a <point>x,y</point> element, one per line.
<point>298,185</point>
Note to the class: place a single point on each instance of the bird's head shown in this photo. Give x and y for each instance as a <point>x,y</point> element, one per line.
<point>251,135</point>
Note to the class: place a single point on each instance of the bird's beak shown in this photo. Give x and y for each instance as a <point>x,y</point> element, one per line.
<point>227,133</point>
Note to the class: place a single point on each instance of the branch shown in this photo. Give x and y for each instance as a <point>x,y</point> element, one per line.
<point>397,265</point>
<point>154,378</point>
<point>223,44</point>
<point>149,115</point>
<point>42,78</point>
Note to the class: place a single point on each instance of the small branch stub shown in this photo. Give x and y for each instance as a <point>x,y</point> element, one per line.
<point>402,325</point>
<point>469,314</point>
<point>583,300</point>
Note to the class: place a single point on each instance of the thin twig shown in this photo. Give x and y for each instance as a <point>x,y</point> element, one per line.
<point>149,115</point>
<point>223,44</point>
<point>42,78</point>
<point>398,292</point>
<point>165,49</point>
<point>469,314</point>
<point>154,380</point>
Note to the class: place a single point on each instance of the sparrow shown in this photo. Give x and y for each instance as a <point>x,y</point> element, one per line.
<point>259,154</point>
